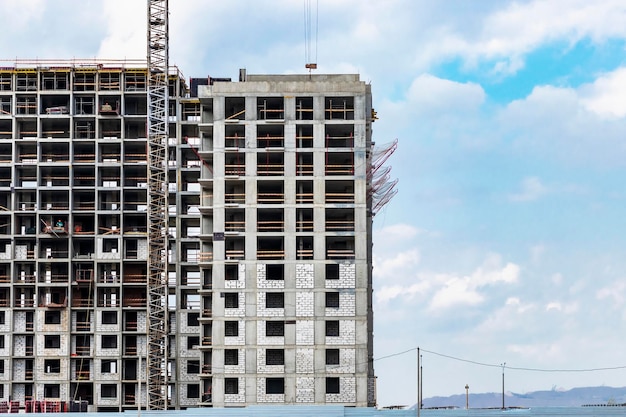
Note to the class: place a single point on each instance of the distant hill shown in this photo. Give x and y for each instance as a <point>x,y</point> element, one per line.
<point>553,398</point>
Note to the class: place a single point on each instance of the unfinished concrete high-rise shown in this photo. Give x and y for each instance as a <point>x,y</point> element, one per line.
<point>269,253</point>
<point>286,240</point>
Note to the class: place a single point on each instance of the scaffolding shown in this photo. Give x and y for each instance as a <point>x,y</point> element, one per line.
<point>157,204</point>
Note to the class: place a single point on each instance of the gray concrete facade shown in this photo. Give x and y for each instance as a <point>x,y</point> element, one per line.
<point>269,253</point>
<point>286,241</point>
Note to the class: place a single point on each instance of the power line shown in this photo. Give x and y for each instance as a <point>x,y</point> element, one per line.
<point>494,365</point>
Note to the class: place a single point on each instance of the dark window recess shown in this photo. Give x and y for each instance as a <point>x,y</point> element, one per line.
<point>332,356</point>
<point>193,367</point>
<point>332,385</point>
<point>231,300</point>
<point>275,300</point>
<point>275,385</point>
<point>193,341</point>
<point>275,272</point>
<point>52,317</point>
<point>332,328</point>
<point>274,356</point>
<point>231,386</point>
<point>274,328</point>
<point>192,319</point>
<point>193,390</point>
<point>332,299</point>
<point>51,390</point>
<point>109,341</point>
<point>108,366</point>
<point>231,328</point>
<point>332,271</point>
<point>108,390</point>
<point>52,341</point>
<point>52,366</point>
<point>231,357</point>
<point>109,317</point>
<point>231,272</point>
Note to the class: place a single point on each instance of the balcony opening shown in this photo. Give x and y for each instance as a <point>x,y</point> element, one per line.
<point>235,136</point>
<point>270,136</point>
<point>270,108</point>
<point>270,192</point>
<point>235,108</point>
<point>339,136</point>
<point>270,163</point>
<point>340,220</point>
<point>270,247</point>
<point>304,247</point>
<point>340,247</point>
<point>304,192</point>
<point>304,164</point>
<point>339,108</point>
<point>270,220</point>
<point>341,192</point>
<point>304,108</point>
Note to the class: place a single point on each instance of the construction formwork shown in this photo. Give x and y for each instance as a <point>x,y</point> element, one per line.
<point>74,235</point>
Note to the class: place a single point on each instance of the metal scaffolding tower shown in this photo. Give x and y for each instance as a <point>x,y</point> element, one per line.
<point>157,127</point>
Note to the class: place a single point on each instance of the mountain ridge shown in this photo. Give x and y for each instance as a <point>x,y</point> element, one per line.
<point>575,397</point>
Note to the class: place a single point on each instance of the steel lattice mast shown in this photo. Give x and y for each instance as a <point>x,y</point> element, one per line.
<point>157,127</point>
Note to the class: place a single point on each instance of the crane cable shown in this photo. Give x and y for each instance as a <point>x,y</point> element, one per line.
<point>310,61</point>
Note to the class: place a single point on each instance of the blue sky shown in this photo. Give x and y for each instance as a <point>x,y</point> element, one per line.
<point>506,240</point>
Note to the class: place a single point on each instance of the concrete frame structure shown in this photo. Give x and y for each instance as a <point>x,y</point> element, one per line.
<point>286,240</point>
<point>269,221</point>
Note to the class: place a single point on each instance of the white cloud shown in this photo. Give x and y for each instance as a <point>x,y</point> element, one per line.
<point>508,33</point>
<point>430,94</point>
<point>520,308</point>
<point>396,233</point>
<point>554,305</point>
<point>397,267</point>
<point>557,279</point>
<point>456,290</point>
<point>18,14</point>
<point>538,352</point>
<point>126,30</point>
<point>388,293</point>
<point>556,123</point>
<point>531,189</point>
<point>614,292</point>
<point>491,272</point>
<point>606,96</point>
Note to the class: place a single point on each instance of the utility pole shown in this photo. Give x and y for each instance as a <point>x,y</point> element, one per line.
<point>503,365</point>
<point>421,398</point>
<point>419,383</point>
<point>467,396</point>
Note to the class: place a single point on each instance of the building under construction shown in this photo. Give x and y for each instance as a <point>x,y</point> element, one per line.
<point>272,183</point>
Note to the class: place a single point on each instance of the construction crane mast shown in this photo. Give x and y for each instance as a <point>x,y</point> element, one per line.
<point>157,128</point>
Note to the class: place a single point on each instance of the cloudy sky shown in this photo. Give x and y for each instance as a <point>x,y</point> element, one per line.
<point>506,240</point>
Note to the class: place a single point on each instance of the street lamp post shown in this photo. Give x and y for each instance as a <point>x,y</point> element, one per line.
<point>466,396</point>
<point>503,365</point>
